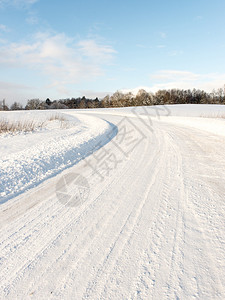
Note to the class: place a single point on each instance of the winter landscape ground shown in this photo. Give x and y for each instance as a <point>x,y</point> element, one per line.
<point>114,204</point>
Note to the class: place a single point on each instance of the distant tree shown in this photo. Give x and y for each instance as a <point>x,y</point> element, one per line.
<point>143,98</point>
<point>57,105</point>
<point>3,106</point>
<point>160,97</point>
<point>33,104</point>
<point>117,99</point>
<point>43,105</point>
<point>83,103</point>
<point>188,98</point>
<point>90,104</point>
<point>106,101</point>
<point>96,102</point>
<point>128,99</point>
<point>48,101</point>
<point>220,95</point>
<point>16,106</point>
<point>213,96</point>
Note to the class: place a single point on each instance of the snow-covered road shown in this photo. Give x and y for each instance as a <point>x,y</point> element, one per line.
<point>150,224</point>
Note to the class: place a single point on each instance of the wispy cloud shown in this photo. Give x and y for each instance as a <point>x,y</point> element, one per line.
<point>176,79</point>
<point>17,2</point>
<point>172,75</point>
<point>59,57</point>
<point>24,2</point>
<point>99,53</point>
<point>168,79</point>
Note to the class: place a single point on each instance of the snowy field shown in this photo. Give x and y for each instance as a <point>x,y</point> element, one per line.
<point>192,115</point>
<point>123,203</point>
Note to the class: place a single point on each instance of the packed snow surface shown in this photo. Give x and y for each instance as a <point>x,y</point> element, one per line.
<point>142,217</point>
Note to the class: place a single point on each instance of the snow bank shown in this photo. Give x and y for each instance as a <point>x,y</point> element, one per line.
<point>26,159</point>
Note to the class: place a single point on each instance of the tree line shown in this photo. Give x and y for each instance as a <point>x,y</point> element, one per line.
<point>119,99</point>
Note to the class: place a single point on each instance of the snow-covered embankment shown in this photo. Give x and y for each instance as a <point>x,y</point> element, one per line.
<point>26,159</point>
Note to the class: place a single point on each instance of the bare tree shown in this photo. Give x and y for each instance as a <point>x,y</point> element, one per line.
<point>16,106</point>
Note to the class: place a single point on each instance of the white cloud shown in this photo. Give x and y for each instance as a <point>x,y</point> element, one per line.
<point>62,60</point>
<point>174,74</point>
<point>176,79</point>
<point>24,2</point>
<point>168,79</point>
<point>17,2</point>
<point>97,52</point>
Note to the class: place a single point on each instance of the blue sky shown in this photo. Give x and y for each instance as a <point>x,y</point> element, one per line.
<point>60,49</point>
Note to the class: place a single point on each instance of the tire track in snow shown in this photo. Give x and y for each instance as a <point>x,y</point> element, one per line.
<point>122,240</point>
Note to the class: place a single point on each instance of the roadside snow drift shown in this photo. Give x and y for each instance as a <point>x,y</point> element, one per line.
<point>28,158</point>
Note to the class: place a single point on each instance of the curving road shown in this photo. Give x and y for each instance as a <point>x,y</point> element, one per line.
<point>145,222</point>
